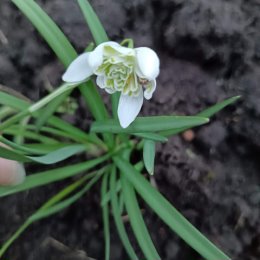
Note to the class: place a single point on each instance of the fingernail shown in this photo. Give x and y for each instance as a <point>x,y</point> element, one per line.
<point>20,174</point>
<point>11,172</point>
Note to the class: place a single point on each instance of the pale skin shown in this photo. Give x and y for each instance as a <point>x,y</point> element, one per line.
<point>11,172</point>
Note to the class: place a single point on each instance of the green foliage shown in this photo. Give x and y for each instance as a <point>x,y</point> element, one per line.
<point>34,134</point>
<point>148,124</point>
<point>149,155</point>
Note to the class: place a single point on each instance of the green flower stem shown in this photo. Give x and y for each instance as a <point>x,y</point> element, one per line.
<point>129,42</point>
<point>31,109</point>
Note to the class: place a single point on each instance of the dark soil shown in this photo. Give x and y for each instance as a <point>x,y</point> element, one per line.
<point>209,50</point>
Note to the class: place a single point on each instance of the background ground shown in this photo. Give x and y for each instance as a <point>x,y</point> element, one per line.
<point>209,50</point>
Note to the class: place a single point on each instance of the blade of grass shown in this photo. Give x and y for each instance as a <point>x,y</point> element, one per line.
<point>13,155</point>
<point>116,211</point>
<point>149,155</point>
<point>99,35</point>
<point>31,136</point>
<point>50,158</point>
<point>137,222</point>
<point>53,106</point>
<point>48,29</point>
<point>34,107</point>
<point>95,26</point>
<point>12,101</point>
<point>46,212</point>
<point>45,148</point>
<point>152,136</point>
<point>49,176</point>
<point>64,51</point>
<point>209,112</point>
<point>72,131</point>
<point>59,155</point>
<point>148,124</point>
<point>39,214</point>
<point>168,213</point>
<point>105,215</point>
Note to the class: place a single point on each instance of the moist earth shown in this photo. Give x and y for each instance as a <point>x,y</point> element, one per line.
<point>209,51</point>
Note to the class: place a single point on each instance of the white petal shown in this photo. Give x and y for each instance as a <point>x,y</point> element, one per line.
<point>101,81</point>
<point>96,57</point>
<point>78,70</point>
<point>123,50</point>
<point>129,108</point>
<point>148,93</point>
<point>147,63</point>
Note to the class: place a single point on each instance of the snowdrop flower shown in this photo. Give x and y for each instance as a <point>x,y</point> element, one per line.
<point>130,71</point>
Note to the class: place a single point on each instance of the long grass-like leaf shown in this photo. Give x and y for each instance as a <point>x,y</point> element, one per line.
<point>152,136</point>
<point>149,155</point>
<point>46,212</point>
<point>48,29</point>
<point>99,34</point>
<point>116,211</point>
<point>148,124</point>
<point>137,222</point>
<point>105,214</point>
<point>59,155</point>
<point>64,51</point>
<point>209,112</point>
<point>49,176</point>
<point>65,128</point>
<point>53,205</point>
<point>168,213</point>
<point>95,26</point>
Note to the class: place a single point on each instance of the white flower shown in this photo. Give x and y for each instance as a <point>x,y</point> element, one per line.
<point>129,71</point>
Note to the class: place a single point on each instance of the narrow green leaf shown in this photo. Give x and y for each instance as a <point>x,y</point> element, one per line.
<point>99,34</point>
<point>152,136</point>
<point>116,211</point>
<point>38,105</point>
<point>52,201</point>
<point>96,106</point>
<point>169,214</point>
<point>209,112</point>
<point>107,197</point>
<point>137,222</point>
<point>67,129</point>
<point>65,52</point>
<point>95,26</point>
<point>48,29</point>
<point>148,124</point>
<point>13,155</point>
<point>219,106</point>
<point>59,155</point>
<point>54,105</point>
<point>31,136</point>
<point>12,101</point>
<point>105,215</point>
<point>53,157</point>
<point>45,177</point>
<point>46,212</point>
<point>149,155</point>
<point>20,148</point>
<point>45,148</point>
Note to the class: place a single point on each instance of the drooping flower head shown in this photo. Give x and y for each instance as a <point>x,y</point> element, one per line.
<point>130,71</point>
